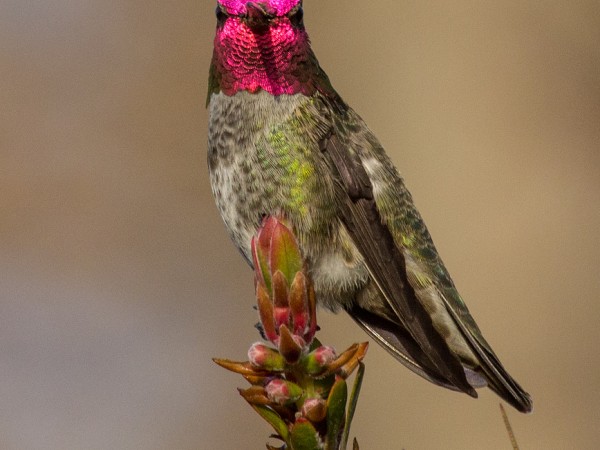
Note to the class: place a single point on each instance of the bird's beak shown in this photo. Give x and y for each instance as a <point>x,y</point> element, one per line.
<point>258,14</point>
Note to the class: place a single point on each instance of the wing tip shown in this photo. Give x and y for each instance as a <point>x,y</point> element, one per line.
<point>515,396</point>
<point>524,403</point>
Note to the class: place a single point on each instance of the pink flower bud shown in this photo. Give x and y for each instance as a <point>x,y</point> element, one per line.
<point>264,357</point>
<point>316,362</point>
<point>283,392</point>
<point>324,355</point>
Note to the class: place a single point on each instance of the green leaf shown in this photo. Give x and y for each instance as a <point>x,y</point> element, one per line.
<point>260,263</point>
<point>336,413</point>
<point>284,253</point>
<point>274,420</point>
<point>352,405</point>
<point>261,245</point>
<point>304,436</point>
<point>314,344</point>
<point>322,386</point>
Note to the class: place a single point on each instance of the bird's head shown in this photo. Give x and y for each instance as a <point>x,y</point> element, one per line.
<point>260,16</point>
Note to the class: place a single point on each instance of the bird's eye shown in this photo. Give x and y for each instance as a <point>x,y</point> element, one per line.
<point>221,15</point>
<point>296,16</point>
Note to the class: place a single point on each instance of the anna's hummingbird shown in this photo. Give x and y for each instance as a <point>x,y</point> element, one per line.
<point>282,142</point>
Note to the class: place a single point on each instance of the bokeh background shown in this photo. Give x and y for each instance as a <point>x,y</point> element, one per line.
<point>118,282</point>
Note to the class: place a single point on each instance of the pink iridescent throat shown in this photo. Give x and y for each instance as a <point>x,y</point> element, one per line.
<point>277,59</point>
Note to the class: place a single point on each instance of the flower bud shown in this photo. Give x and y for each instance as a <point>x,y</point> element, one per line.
<point>317,361</point>
<point>283,392</point>
<point>285,293</point>
<point>289,347</point>
<point>265,358</point>
<point>314,409</point>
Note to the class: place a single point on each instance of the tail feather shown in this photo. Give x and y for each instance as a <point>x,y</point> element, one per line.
<point>505,386</point>
<point>498,379</point>
<point>403,347</point>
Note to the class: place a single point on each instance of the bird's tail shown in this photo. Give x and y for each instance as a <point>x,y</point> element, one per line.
<point>402,346</point>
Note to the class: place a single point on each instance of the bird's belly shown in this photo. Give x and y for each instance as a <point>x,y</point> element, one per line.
<point>261,164</point>
<point>335,265</point>
<point>228,196</point>
<point>339,273</point>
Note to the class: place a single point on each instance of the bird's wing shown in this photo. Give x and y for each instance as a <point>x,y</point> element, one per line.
<point>385,261</point>
<point>388,231</point>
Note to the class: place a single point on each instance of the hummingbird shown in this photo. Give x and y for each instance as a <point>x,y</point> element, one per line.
<point>282,142</point>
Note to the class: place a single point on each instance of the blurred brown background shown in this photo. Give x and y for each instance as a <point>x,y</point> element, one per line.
<point>118,282</point>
